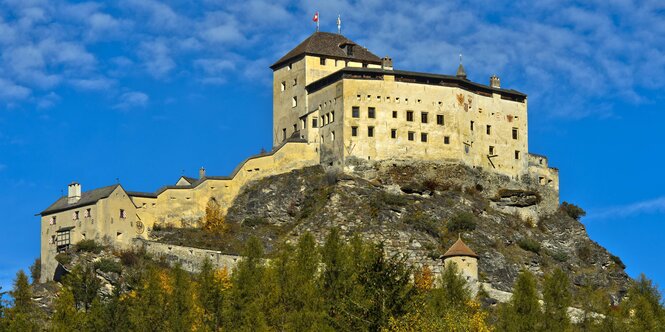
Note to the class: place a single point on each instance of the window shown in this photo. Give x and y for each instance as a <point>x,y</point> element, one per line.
<point>515,133</point>
<point>471,125</point>
<point>289,67</point>
<point>393,133</point>
<point>355,112</point>
<point>423,137</point>
<point>283,134</point>
<point>87,213</point>
<point>358,97</point>
<point>323,139</point>
<point>295,128</point>
<point>394,114</point>
<point>294,101</point>
<point>446,139</point>
<point>283,85</point>
<point>491,150</point>
<point>369,97</point>
<point>303,123</point>
<point>122,214</point>
<point>332,136</point>
<point>332,116</point>
<point>411,136</point>
<point>322,61</point>
<point>423,117</point>
<point>489,130</point>
<point>62,241</point>
<point>315,122</point>
<point>76,215</point>
<point>371,112</point>
<point>295,81</point>
<point>370,131</point>
<point>409,115</point>
<point>517,155</point>
<point>439,119</point>
<point>52,221</point>
<point>354,131</point>
<point>466,149</point>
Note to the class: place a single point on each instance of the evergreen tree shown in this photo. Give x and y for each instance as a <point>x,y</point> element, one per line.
<point>149,310</point>
<point>248,292</point>
<point>84,285</point>
<point>66,317</point>
<point>594,303</point>
<point>453,293</point>
<point>522,313</point>
<point>557,298</point>
<point>337,278</point>
<point>213,287</point>
<point>108,315</point>
<point>24,315</point>
<point>643,307</point>
<point>181,303</point>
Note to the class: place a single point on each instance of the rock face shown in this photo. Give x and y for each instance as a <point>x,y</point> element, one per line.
<point>418,209</point>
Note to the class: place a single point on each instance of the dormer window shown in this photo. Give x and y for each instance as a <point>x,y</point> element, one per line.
<point>348,48</point>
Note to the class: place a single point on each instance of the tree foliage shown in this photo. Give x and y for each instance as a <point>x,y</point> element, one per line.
<point>213,220</point>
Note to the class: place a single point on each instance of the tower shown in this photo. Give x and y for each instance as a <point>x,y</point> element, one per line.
<point>465,259</point>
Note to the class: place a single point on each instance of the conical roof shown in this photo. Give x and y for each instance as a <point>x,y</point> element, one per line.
<point>461,73</point>
<point>328,44</point>
<point>459,249</point>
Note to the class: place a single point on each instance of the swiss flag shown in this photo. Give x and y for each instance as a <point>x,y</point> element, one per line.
<point>316,17</point>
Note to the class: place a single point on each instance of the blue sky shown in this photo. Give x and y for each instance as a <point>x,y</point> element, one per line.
<point>142,91</point>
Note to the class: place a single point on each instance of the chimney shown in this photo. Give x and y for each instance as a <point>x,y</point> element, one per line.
<point>202,173</point>
<point>73,192</point>
<point>387,63</point>
<point>495,82</point>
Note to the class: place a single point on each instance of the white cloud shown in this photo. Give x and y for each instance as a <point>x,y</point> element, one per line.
<point>656,205</point>
<point>132,99</point>
<point>10,90</point>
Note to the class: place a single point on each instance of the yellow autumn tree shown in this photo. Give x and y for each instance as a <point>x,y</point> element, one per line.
<point>424,279</point>
<point>213,221</point>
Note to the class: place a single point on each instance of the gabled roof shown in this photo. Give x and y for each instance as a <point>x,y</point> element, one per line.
<point>190,180</point>
<point>328,44</point>
<point>87,198</point>
<point>459,249</point>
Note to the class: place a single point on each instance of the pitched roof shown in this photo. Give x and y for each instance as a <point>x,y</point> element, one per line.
<point>328,44</point>
<point>459,249</point>
<point>87,198</point>
<point>191,180</point>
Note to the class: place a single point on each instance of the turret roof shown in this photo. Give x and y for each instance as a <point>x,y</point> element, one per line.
<point>459,249</point>
<point>328,44</point>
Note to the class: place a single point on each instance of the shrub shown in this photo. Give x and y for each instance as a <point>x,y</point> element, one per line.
<point>559,256</point>
<point>63,258</point>
<point>462,222</point>
<point>392,199</point>
<point>88,246</point>
<point>584,253</point>
<point>129,258</point>
<point>36,270</point>
<point>108,265</point>
<point>423,223</point>
<point>255,221</point>
<point>618,261</point>
<point>431,184</point>
<point>529,245</point>
<point>572,210</point>
<point>214,221</point>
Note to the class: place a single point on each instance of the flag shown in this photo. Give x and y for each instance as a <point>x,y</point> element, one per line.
<point>316,17</point>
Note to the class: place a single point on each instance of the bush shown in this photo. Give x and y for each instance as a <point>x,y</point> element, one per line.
<point>108,265</point>
<point>529,245</point>
<point>572,210</point>
<point>63,258</point>
<point>36,270</point>
<point>584,253</point>
<point>559,256</point>
<point>392,199</point>
<point>462,222</point>
<point>255,221</point>
<point>423,223</point>
<point>618,261</point>
<point>88,246</point>
<point>129,258</point>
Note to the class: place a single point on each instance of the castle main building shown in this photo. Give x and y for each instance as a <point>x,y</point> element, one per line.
<point>333,101</point>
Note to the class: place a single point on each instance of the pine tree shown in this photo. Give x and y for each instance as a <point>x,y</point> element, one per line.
<point>248,291</point>
<point>337,278</point>
<point>557,298</point>
<point>453,293</point>
<point>66,317</point>
<point>149,310</point>
<point>181,303</point>
<point>84,285</point>
<point>213,291</point>
<point>643,308</point>
<point>24,315</point>
<point>109,315</point>
<point>522,313</point>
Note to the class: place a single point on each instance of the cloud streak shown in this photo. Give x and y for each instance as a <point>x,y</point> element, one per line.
<point>651,206</point>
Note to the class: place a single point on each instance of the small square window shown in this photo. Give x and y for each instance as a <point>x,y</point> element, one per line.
<point>515,133</point>
<point>87,213</point>
<point>489,130</point>
<point>294,101</point>
<point>378,98</point>
<point>332,136</point>
<point>283,85</point>
<point>491,150</point>
<point>355,112</point>
<point>354,131</point>
<point>322,61</point>
<point>411,135</point>
<point>371,112</point>
<point>369,97</point>
<point>446,139</point>
<point>53,220</point>
<point>409,115</point>
<point>315,122</point>
<point>370,131</point>
<point>517,155</point>
<point>122,214</point>
<point>394,114</point>
<point>423,137</point>
<point>358,97</point>
<point>76,215</point>
<point>419,101</point>
<point>393,133</point>
<point>289,67</point>
<point>423,117</point>
<point>439,119</point>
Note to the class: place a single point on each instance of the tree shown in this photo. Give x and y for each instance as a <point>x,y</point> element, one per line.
<point>213,221</point>
<point>36,270</point>
<point>213,286</point>
<point>109,315</point>
<point>557,298</point>
<point>336,278</point>
<point>181,302</point>
<point>84,285</point>
<point>572,210</point>
<point>522,313</point>
<point>453,292</point>
<point>149,311</point>
<point>24,315</point>
<point>66,317</point>
<point>248,292</point>
<point>643,307</point>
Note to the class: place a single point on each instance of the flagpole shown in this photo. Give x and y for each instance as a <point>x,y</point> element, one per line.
<point>318,19</point>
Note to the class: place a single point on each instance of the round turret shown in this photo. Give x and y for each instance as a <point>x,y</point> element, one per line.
<point>465,259</point>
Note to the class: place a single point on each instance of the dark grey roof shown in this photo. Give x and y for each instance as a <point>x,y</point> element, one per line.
<point>64,229</point>
<point>328,44</point>
<point>87,198</point>
<point>413,77</point>
<point>191,180</point>
<point>461,73</point>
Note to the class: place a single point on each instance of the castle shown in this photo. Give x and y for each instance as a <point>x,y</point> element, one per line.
<point>333,102</point>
